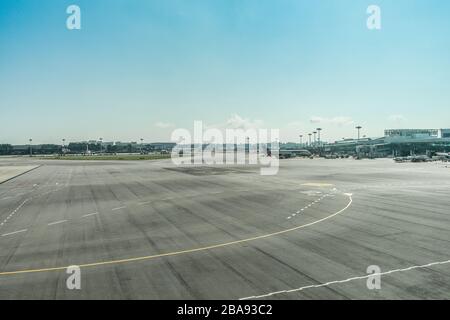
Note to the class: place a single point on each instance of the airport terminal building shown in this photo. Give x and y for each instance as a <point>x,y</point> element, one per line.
<point>397,134</point>
<point>396,142</point>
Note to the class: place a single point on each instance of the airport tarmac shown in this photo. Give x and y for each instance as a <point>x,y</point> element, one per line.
<point>151,230</point>
<point>8,172</point>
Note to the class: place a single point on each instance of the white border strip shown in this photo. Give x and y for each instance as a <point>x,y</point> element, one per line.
<point>347,280</point>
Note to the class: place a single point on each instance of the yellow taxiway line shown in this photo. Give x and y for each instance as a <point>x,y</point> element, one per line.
<point>174,253</point>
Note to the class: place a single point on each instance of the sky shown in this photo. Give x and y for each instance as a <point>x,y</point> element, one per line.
<point>142,68</point>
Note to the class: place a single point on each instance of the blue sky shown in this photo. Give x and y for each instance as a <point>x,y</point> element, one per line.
<point>140,68</point>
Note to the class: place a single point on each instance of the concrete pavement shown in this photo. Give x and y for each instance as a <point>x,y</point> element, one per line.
<point>149,230</point>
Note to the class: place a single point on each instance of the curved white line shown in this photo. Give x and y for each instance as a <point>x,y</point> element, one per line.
<point>174,253</point>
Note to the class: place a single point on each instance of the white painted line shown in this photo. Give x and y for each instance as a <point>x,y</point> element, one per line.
<point>114,209</point>
<point>348,280</point>
<point>56,222</point>
<point>187,251</point>
<point>90,214</point>
<point>8,234</point>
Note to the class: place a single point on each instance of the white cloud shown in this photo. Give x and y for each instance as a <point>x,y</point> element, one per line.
<point>164,125</point>
<point>396,118</point>
<point>340,121</point>
<point>237,122</point>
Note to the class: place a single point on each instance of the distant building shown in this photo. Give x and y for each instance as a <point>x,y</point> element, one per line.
<point>411,133</point>
<point>123,144</point>
<point>396,142</point>
<point>444,133</point>
<point>159,146</point>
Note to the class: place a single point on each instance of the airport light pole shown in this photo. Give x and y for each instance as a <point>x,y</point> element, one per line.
<point>101,145</point>
<point>358,128</point>
<point>314,132</point>
<point>142,140</point>
<point>318,135</point>
<point>31,148</point>
<point>248,144</point>
<point>63,144</point>
<point>309,137</point>
<point>301,140</point>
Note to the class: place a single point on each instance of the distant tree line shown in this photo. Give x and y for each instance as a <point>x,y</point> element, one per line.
<point>8,149</point>
<point>5,149</point>
<point>82,147</point>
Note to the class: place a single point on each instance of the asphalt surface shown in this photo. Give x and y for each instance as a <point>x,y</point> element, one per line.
<point>150,230</point>
<point>9,172</point>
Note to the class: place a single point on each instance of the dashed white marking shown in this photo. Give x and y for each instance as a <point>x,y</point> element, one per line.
<point>11,233</point>
<point>118,208</point>
<point>314,202</point>
<point>348,280</point>
<point>15,211</point>
<point>90,214</point>
<point>56,222</point>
